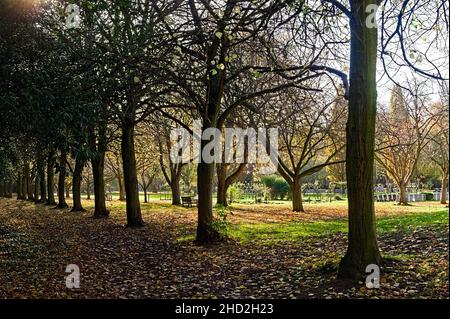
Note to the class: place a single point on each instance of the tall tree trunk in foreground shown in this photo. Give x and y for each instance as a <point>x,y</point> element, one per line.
<point>205,232</point>
<point>205,178</point>
<point>76,185</point>
<point>62,180</point>
<point>134,217</point>
<point>297,199</point>
<point>362,240</point>
<point>51,180</point>
<point>205,171</point>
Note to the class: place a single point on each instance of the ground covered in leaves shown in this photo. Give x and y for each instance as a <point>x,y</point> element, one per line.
<point>159,261</point>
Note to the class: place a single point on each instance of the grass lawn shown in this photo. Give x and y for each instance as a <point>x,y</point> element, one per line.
<point>293,231</point>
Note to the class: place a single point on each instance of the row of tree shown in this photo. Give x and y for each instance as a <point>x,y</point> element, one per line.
<point>72,90</point>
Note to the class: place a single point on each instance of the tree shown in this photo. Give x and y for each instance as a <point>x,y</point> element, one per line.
<point>131,33</point>
<point>229,173</point>
<point>438,148</point>
<point>87,181</point>
<point>98,142</point>
<point>171,170</point>
<point>188,177</point>
<point>306,134</point>
<point>362,95</point>
<point>147,157</point>
<point>336,173</point>
<point>114,164</point>
<point>51,162</point>
<point>62,174</point>
<point>403,133</point>
<point>222,47</point>
<point>362,243</point>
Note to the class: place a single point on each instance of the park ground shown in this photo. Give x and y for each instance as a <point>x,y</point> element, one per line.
<point>273,253</point>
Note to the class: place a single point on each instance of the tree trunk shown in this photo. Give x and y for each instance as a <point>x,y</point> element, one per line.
<point>62,180</point>
<point>42,184</point>
<point>3,191</point>
<point>24,186</point>
<point>88,185</point>
<point>221,185</point>
<point>176,193</point>
<point>121,187</point>
<point>67,188</point>
<point>224,181</point>
<point>144,188</point>
<point>205,171</point>
<point>29,183</point>
<point>362,240</point>
<point>88,191</point>
<point>9,189</point>
<point>19,186</point>
<point>76,185</point>
<point>297,199</point>
<point>98,169</point>
<point>205,177</point>
<point>51,180</point>
<point>134,217</point>
<point>403,199</point>
<point>36,189</point>
<point>444,188</point>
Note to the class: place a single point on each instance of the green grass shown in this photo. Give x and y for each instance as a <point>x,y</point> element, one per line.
<point>296,230</point>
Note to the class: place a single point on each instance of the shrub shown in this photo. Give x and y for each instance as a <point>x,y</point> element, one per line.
<point>220,220</point>
<point>429,196</point>
<point>235,191</point>
<point>279,188</point>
